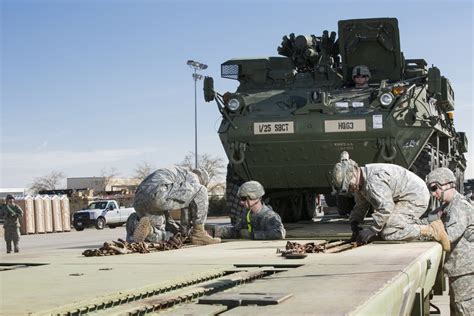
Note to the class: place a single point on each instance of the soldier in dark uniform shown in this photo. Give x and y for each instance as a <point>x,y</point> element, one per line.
<point>457,215</point>
<point>11,214</point>
<point>258,222</point>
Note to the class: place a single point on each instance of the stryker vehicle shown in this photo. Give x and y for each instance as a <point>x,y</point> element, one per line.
<point>292,116</point>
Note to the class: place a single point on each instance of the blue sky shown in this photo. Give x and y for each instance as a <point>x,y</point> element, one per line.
<point>88,85</point>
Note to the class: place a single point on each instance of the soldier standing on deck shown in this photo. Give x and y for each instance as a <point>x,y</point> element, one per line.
<point>398,196</point>
<point>12,214</point>
<point>457,215</point>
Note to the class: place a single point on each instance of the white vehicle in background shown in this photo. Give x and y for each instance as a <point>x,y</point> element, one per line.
<point>100,214</point>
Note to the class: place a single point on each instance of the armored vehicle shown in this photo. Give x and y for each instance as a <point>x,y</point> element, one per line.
<point>292,116</point>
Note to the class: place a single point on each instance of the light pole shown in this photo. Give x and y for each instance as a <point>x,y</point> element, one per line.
<point>196,66</point>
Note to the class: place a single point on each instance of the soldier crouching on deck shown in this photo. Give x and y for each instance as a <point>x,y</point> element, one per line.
<point>171,189</point>
<point>398,196</point>
<point>258,222</point>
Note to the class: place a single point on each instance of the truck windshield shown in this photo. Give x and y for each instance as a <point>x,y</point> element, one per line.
<point>97,205</point>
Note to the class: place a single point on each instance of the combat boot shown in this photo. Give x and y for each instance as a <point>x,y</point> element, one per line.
<point>142,230</point>
<point>200,237</point>
<point>436,231</point>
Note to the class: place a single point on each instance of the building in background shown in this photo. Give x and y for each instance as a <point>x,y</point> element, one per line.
<point>103,184</point>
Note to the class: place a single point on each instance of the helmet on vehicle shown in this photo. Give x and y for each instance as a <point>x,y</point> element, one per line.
<point>441,176</point>
<point>203,175</point>
<point>9,197</point>
<point>251,189</point>
<point>343,172</point>
<point>361,70</point>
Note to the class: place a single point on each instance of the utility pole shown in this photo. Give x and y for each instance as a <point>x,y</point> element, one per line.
<point>196,66</point>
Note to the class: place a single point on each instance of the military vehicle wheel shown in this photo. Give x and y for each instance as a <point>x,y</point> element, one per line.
<point>295,210</point>
<point>289,208</point>
<point>310,207</point>
<point>422,165</point>
<point>233,182</point>
<point>100,224</point>
<point>331,200</point>
<point>345,204</point>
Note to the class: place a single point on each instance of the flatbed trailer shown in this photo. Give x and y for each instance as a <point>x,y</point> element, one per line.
<point>231,278</point>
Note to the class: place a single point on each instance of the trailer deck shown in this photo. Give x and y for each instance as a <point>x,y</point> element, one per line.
<point>231,278</point>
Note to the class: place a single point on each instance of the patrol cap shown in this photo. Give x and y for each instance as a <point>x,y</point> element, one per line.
<point>251,189</point>
<point>203,175</point>
<point>343,172</point>
<point>361,70</point>
<point>441,176</point>
<point>9,197</point>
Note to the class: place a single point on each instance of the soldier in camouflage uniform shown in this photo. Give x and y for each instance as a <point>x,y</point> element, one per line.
<point>170,189</point>
<point>361,76</point>
<point>259,222</point>
<point>457,215</point>
<point>399,198</point>
<point>11,214</point>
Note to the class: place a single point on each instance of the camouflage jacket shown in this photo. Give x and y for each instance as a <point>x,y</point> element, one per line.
<point>266,225</point>
<point>385,185</point>
<point>458,218</point>
<point>177,188</point>
<point>11,215</point>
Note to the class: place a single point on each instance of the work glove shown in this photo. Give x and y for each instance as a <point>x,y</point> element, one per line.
<point>245,234</point>
<point>355,230</point>
<point>365,235</point>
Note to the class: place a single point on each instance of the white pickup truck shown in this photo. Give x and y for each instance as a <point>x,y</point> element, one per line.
<point>100,214</point>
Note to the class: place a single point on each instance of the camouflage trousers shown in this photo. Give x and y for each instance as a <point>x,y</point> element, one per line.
<point>158,223</point>
<point>461,295</point>
<point>12,234</point>
<point>403,223</point>
<point>158,203</point>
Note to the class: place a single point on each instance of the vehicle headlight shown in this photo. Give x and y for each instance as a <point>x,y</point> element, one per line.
<point>233,105</point>
<point>92,215</point>
<point>386,99</point>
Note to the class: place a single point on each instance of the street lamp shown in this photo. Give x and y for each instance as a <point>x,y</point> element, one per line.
<point>196,66</point>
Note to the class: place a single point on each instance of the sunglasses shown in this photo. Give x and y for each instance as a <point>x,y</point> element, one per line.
<point>244,198</point>
<point>434,187</point>
<point>361,76</point>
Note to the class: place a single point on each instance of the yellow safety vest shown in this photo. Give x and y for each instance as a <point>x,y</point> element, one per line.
<point>249,223</point>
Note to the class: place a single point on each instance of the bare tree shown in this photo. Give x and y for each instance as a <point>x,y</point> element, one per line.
<point>142,170</point>
<point>108,175</point>
<point>47,182</point>
<point>213,165</point>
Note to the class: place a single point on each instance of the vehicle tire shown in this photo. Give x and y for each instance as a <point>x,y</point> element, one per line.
<point>331,200</point>
<point>423,163</point>
<point>100,224</point>
<point>233,183</point>
<point>112,226</point>
<point>79,229</point>
<point>289,208</point>
<point>295,208</point>
<point>345,204</point>
<point>309,205</point>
